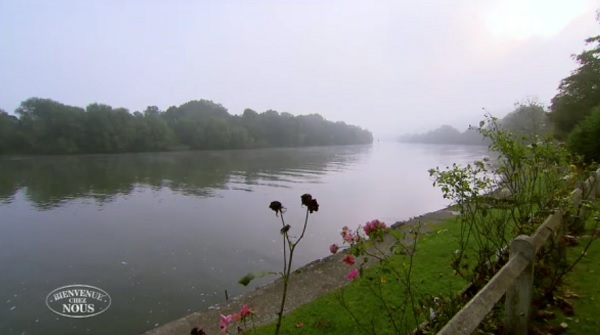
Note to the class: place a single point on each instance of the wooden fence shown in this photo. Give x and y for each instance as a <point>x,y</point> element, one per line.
<point>515,278</point>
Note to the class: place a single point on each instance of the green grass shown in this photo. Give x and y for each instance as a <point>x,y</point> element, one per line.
<point>431,276</point>
<point>584,281</point>
<point>582,289</point>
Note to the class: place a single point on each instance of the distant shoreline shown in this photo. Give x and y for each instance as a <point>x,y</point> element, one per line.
<point>176,151</point>
<point>443,143</point>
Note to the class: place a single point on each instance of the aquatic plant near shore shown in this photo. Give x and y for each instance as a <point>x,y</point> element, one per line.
<point>289,246</point>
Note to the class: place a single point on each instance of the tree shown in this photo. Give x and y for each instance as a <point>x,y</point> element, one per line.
<point>578,93</point>
<point>445,135</point>
<point>528,119</point>
<point>250,120</point>
<point>8,132</point>
<point>585,138</point>
<point>158,135</point>
<point>151,132</point>
<point>48,127</point>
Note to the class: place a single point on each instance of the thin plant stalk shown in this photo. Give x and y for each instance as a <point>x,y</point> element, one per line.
<point>287,264</point>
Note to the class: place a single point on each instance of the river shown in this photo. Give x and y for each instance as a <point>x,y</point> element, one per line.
<point>165,234</point>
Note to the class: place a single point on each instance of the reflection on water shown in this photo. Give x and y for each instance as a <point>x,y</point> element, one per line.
<point>166,233</point>
<point>50,181</point>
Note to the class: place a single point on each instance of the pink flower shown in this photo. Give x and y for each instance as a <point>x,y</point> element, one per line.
<point>349,259</point>
<point>246,310</point>
<point>347,235</point>
<point>374,227</point>
<point>236,317</point>
<point>333,248</point>
<point>367,229</point>
<point>224,322</point>
<point>353,274</point>
<point>345,231</point>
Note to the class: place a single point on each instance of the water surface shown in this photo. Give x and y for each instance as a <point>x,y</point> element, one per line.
<point>166,233</point>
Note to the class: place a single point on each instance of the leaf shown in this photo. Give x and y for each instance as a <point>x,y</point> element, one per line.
<point>254,275</point>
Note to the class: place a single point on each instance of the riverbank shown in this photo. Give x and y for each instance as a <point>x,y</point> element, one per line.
<point>306,284</point>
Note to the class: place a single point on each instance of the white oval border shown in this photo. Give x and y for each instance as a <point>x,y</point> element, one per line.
<point>77,316</point>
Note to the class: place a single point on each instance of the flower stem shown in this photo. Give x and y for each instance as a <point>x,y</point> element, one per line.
<point>303,228</point>
<point>287,267</point>
<point>284,248</point>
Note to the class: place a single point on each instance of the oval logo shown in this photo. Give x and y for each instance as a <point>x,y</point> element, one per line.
<point>78,301</point>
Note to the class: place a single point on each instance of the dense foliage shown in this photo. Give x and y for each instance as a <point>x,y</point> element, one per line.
<point>498,200</point>
<point>575,110</point>
<point>527,119</point>
<point>45,126</point>
<point>445,135</point>
<point>578,93</point>
<point>585,138</point>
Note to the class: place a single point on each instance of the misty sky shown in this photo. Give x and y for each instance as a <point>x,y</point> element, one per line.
<point>389,66</point>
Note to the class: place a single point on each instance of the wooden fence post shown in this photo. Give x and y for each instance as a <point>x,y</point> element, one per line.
<point>562,243</point>
<point>518,296</point>
<point>589,188</point>
<point>593,186</point>
<point>597,183</point>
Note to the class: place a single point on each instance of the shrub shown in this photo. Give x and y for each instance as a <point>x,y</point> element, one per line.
<point>585,138</point>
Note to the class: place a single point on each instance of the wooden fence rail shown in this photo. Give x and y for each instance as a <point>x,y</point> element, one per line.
<point>515,278</point>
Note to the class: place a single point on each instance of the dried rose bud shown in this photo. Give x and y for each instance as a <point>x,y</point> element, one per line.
<point>306,198</point>
<point>276,206</point>
<point>313,206</point>
<point>334,248</point>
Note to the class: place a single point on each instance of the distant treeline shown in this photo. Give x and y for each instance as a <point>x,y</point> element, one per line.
<point>445,135</point>
<point>44,126</point>
<point>528,119</point>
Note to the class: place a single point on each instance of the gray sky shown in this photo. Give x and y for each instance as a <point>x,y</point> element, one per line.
<point>389,66</point>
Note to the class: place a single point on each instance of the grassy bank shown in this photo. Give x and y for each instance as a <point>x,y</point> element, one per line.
<point>431,276</point>
<point>581,291</point>
<point>583,282</point>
